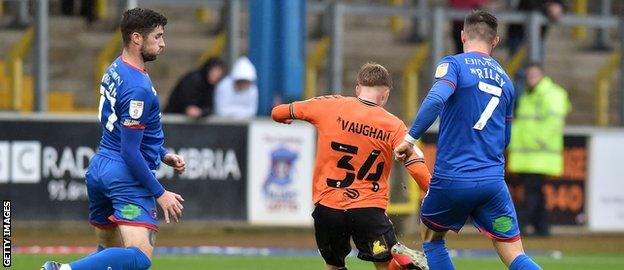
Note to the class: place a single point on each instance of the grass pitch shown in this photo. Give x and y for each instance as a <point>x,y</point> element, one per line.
<point>572,261</point>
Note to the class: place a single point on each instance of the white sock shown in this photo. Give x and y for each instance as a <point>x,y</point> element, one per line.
<point>65,267</point>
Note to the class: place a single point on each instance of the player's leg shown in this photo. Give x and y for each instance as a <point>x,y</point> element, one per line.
<point>374,236</point>
<point>134,256</point>
<point>406,258</point>
<point>332,236</point>
<point>135,214</point>
<point>435,249</point>
<point>107,237</point>
<point>496,218</point>
<point>446,207</point>
<point>137,226</point>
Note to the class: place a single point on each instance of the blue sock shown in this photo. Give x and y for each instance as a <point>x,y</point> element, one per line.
<point>523,262</point>
<point>437,255</point>
<point>130,258</point>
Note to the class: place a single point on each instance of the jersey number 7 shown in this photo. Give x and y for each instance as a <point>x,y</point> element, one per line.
<point>491,106</point>
<point>343,163</point>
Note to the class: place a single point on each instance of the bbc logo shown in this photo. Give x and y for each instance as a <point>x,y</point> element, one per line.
<point>20,162</point>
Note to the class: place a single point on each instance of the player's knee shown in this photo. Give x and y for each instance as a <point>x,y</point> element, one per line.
<point>108,237</point>
<point>142,261</point>
<point>429,235</point>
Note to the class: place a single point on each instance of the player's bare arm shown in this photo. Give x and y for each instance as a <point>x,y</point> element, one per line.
<point>175,161</point>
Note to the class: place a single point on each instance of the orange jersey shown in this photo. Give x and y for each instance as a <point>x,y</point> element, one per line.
<point>356,139</point>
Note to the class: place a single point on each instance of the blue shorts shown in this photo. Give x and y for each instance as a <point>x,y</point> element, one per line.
<point>448,204</point>
<point>116,198</point>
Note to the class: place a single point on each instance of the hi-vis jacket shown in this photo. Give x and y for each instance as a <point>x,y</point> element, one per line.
<point>537,133</point>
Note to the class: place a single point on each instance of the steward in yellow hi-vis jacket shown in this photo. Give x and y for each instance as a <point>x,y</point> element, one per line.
<point>536,147</point>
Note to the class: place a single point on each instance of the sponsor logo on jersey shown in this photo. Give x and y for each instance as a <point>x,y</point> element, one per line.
<point>441,70</point>
<point>130,122</point>
<point>136,109</point>
<point>503,224</point>
<point>130,211</point>
<point>379,246</point>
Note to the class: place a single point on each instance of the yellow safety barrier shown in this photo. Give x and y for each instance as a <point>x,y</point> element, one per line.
<point>27,97</point>
<point>16,68</point>
<point>101,9</point>
<point>396,22</point>
<point>1,7</point>
<point>603,83</point>
<point>410,106</point>
<point>203,15</point>
<point>411,80</point>
<point>5,97</point>
<point>61,102</point>
<point>516,61</point>
<point>216,48</point>
<point>314,60</point>
<point>579,7</point>
<point>106,55</point>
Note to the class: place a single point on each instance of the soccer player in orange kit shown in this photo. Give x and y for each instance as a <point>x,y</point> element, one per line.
<point>355,146</point>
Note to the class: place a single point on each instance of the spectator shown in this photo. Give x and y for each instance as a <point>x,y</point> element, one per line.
<point>236,95</point>
<point>553,9</point>
<point>194,93</point>
<point>458,25</point>
<point>86,9</point>
<point>535,151</point>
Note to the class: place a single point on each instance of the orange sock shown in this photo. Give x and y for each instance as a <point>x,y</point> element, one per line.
<point>394,265</point>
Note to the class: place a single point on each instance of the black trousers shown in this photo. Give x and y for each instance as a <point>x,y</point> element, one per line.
<point>533,211</point>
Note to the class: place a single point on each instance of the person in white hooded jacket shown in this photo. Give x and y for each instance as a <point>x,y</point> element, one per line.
<point>236,96</point>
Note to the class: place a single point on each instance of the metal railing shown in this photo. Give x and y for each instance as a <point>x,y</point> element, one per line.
<point>439,17</point>
<point>313,62</point>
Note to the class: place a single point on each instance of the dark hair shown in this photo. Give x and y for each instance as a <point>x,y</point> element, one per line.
<point>211,63</point>
<point>373,74</point>
<point>140,20</point>
<point>537,65</point>
<point>481,25</point>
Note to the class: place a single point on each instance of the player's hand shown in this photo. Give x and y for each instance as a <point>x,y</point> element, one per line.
<point>193,111</point>
<point>171,204</point>
<point>175,161</point>
<point>403,151</point>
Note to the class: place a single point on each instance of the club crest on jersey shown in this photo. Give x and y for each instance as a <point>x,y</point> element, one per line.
<point>136,109</point>
<point>441,70</point>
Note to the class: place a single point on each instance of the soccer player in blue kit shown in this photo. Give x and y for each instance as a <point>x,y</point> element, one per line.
<point>121,182</point>
<point>474,99</point>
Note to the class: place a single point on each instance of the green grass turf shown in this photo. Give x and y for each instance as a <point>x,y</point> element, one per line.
<point>579,261</point>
